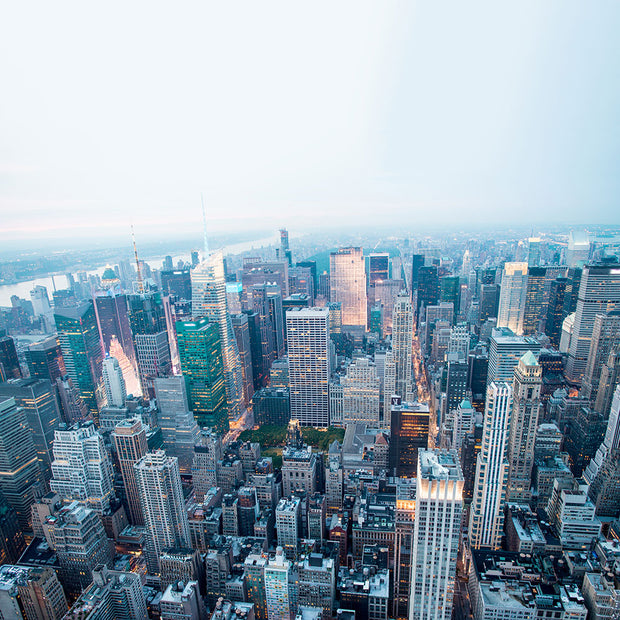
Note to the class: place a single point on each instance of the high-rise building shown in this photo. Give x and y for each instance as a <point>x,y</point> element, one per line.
<point>288,512</point>
<point>209,300</point>
<point>254,575</point>
<point>512,297</point>
<point>486,519</point>
<point>20,476</point>
<point>347,280</point>
<point>81,349</point>
<point>535,308</point>
<point>599,293</point>
<point>409,434</point>
<point>402,345</point>
<point>154,360</point>
<point>378,267</point>
<point>241,328</point>
<point>113,322</point>
<point>177,282</point>
<point>45,360</point>
<point>555,311</point>
<point>605,339</point>
<point>578,251</point>
<point>207,453</point>
<point>450,291</point>
<point>182,600</point>
<point>505,351</point>
<point>12,542</point>
<point>309,365</point>
<point>438,515</point>
<point>31,592</point>
<point>41,307</point>
<point>428,287</point>
<point>203,368</point>
<point>277,588</point>
<point>267,303</point>
<point>361,393</point>
<point>526,406</point>
<point>489,302</point>
<point>9,362</point>
<point>131,445</point>
<point>81,469</point>
<point>77,536</point>
<point>533,251</point>
<point>163,506</point>
<point>113,382</point>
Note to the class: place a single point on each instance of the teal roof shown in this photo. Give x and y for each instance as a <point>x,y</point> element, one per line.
<point>529,359</point>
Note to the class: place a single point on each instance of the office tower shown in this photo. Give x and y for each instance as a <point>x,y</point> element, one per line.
<point>463,424</point>
<point>113,321</point>
<point>81,349</point>
<point>311,264</point>
<point>378,267</point>
<point>288,513</point>
<point>20,477</point>
<point>533,252</point>
<point>241,328</point>
<point>428,288</point>
<point>489,302</point>
<point>477,374</point>
<point>450,291</point>
<point>409,434</point>
<point>299,469</point>
<point>176,282</point>
<point>204,370</point>
<point>417,261</point>
<point>573,282</point>
<point>403,545</point>
<point>438,514</point>
<point>154,360</point>
<point>599,293</point>
<point>81,468</point>
<point>334,480</point>
<point>347,281</point>
<point>605,339</point>
<point>38,399</point>
<point>181,565</point>
<point>402,345</point>
<point>526,407</point>
<point>45,360</point>
<point>259,373</point>
<point>535,308</point>
<point>578,251</point>
<point>31,593</point>
<point>41,308</point>
<point>12,543</point>
<point>272,406</point>
<point>77,536</point>
<point>182,600</point>
<point>163,505</point>
<point>456,381</point>
<point>207,453</point>
<point>267,303</point>
<point>603,470</point>
<point>486,521</point>
<point>276,587</point>
<point>209,300</point>
<point>130,444</point>
<point>361,393</point>
<point>505,351</point>
<point>555,311</point>
<point>309,365</point>
<point>460,339</point>
<point>9,362</point>
<point>300,283</point>
<point>113,382</point>
<point>512,297</point>
<point>610,376</point>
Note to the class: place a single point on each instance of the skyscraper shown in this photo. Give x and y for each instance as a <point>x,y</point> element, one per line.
<point>409,434</point>
<point>38,399</point>
<point>309,364</point>
<point>209,300</point>
<point>378,267</point>
<point>361,393</point>
<point>200,353</point>
<point>113,321</point>
<point>486,519</point>
<point>207,453</point>
<point>276,587</point>
<point>555,311</point>
<point>113,382</point>
<point>154,360</point>
<point>402,345</point>
<point>512,297</point>
<point>523,424</point>
<point>535,307</point>
<point>347,281</point>
<point>19,468</point>
<point>81,349</point>
<point>81,469</point>
<point>9,362</point>
<point>599,293</point>
<point>163,505</point>
<point>428,287</point>
<point>45,359</point>
<point>130,444</point>
<point>438,513</point>
<point>241,328</point>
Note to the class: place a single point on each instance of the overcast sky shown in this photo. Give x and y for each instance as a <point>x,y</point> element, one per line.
<point>298,114</point>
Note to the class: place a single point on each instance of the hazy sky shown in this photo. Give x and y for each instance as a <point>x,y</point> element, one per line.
<point>300,114</point>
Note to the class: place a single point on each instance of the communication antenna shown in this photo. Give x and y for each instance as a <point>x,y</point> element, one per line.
<point>135,251</point>
<point>204,226</point>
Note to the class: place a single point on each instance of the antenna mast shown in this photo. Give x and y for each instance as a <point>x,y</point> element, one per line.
<point>135,252</point>
<point>204,226</point>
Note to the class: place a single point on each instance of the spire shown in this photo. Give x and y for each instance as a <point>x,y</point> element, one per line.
<point>135,251</point>
<point>204,226</point>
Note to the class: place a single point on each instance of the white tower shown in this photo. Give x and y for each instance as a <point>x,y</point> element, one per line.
<point>113,382</point>
<point>402,344</point>
<point>512,297</point>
